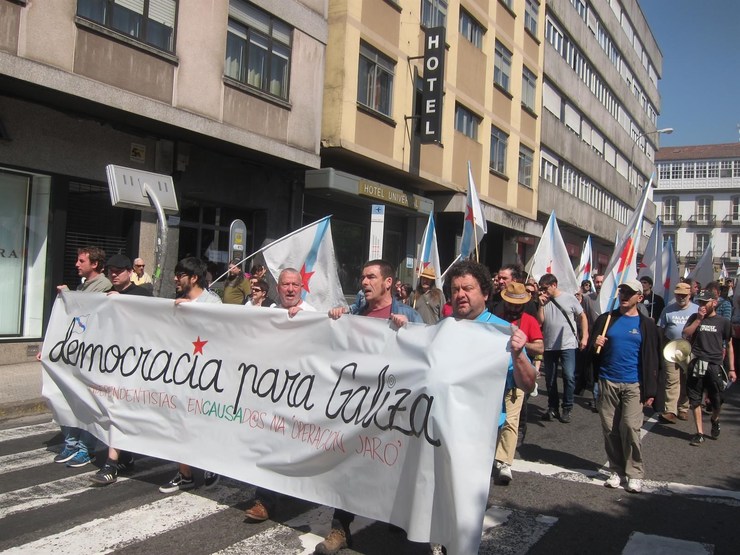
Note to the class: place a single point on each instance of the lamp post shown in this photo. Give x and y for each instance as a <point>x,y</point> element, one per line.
<point>666,130</point>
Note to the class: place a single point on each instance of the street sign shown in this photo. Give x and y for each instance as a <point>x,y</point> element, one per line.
<point>237,239</point>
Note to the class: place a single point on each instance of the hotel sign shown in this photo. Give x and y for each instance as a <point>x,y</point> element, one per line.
<point>391,195</point>
<point>431,96</point>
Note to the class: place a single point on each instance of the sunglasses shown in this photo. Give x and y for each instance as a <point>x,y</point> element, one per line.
<point>257,290</point>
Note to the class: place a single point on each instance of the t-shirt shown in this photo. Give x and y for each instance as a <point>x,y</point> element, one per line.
<point>620,360</point>
<point>208,297</point>
<point>674,319</point>
<point>558,334</point>
<point>530,326</point>
<point>654,305</point>
<point>383,313</point>
<point>710,337</point>
<point>134,289</point>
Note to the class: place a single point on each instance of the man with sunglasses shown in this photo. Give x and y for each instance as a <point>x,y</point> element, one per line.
<point>626,351</point>
<point>140,277</point>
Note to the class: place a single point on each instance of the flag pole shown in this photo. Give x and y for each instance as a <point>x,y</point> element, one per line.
<point>275,242</point>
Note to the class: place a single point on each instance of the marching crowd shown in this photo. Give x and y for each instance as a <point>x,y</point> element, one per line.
<point>617,355</point>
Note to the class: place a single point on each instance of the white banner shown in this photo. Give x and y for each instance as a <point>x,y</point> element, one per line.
<point>394,425</point>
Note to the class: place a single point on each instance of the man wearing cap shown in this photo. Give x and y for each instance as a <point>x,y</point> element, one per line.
<point>508,274</point>
<point>120,273</point>
<point>515,297</point>
<point>671,324</point>
<point>626,359</point>
<point>428,300</point>
<point>710,335</point>
<point>140,277</point>
<point>654,303</point>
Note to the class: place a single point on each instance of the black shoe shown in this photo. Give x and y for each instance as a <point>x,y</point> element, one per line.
<point>125,465</point>
<point>697,440</point>
<point>565,418</point>
<point>550,415</point>
<point>106,475</point>
<point>715,429</point>
<point>210,479</point>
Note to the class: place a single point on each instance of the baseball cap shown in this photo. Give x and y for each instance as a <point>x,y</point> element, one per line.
<point>706,295</point>
<point>515,293</point>
<point>119,261</point>
<point>634,285</point>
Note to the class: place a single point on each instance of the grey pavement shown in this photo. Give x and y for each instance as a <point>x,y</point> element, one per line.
<point>20,390</point>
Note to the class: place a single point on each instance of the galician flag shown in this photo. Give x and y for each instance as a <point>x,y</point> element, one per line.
<point>551,257</point>
<point>310,250</point>
<point>475,225</point>
<point>671,275</point>
<point>428,254</point>
<point>723,275</point>
<point>584,267</point>
<point>622,264</point>
<point>652,261</point>
<point>703,272</point>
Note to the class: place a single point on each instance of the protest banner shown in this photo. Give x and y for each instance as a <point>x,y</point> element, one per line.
<point>397,425</point>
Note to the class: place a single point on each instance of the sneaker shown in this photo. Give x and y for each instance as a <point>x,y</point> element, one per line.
<point>715,429</point>
<point>210,479</point>
<point>504,474</point>
<point>126,465</point>
<point>565,418</point>
<point>257,512</point>
<point>178,483</point>
<point>336,540</point>
<point>613,481</point>
<point>634,485</point>
<point>697,440</point>
<point>106,475</point>
<point>550,415</point>
<point>66,454</point>
<point>437,549</point>
<point>80,459</point>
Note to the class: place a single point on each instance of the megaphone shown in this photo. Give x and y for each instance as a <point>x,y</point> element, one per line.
<point>678,351</point>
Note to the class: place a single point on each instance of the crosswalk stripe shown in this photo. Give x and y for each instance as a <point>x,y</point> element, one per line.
<point>25,431</point>
<point>27,459</point>
<point>104,535</point>
<point>59,491</point>
<point>640,543</point>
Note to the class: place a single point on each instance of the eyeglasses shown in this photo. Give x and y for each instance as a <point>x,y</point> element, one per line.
<point>257,290</point>
<point>138,265</point>
<point>178,275</point>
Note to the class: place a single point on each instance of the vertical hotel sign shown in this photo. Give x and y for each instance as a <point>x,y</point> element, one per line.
<point>431,97</point>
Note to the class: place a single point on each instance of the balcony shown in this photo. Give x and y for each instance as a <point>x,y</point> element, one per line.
<point>672,220</point>
<point>730,256</point>
<point>731,220</point>
<point>702,220</point>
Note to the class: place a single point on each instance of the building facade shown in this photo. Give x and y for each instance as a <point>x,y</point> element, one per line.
<point>374,149</point>
<point>698,200</point>
<point>600,107</point>
<point>223,95</point>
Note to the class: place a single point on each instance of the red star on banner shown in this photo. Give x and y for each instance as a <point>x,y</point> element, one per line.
<point>469,214</point>
<point>549,268</point>
<point>306,278</point>
<point>198,346</point>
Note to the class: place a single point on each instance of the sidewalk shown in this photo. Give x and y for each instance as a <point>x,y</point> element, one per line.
<point>20,390</point>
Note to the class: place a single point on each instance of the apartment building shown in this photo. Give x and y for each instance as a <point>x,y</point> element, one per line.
<point>223,95</point>
<point>600,108</point>
<point>376,144</point>
<point>698,200</point>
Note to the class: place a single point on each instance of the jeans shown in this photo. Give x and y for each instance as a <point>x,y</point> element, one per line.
<point>78,440</point>
<point>567,358</point>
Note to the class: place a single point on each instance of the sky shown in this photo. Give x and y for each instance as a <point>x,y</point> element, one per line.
<point>700,85</point>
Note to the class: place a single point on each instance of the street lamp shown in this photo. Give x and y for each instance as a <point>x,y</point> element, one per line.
<point>666,130</point>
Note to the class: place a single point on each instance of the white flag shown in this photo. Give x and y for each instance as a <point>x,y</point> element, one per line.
<point>622,264</point>
<point>723,275</point>
<point>551,257</point>
<point>584,267</point>
<point>703,272</point>
<point>310,250</point>
<point>474,225</point>
<point>652,261</point>
<point>428,254</point>
<point>670,276</point>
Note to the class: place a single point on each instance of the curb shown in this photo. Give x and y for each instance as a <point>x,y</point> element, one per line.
<point>20,409</point>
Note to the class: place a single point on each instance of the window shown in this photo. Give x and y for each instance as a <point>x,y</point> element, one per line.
<point>735,209</point>
<point>735,244</point>
<point>702,242</point>
<point>688,170</point>
<point>526,161</point>
<point>471,29</point>
<point>258,49</point>
<point>676,170</point>
<point>713,169</point>
<point>149,21</point>
<point>664,171</point>
<point>531,12</point>
<point>670,210</point>
<point>502,66</point>
<point>701,170</point>
<point>375,80</point>
<point>433,13</point>
<point>499,142</point>
<point>725,168</point>
<point>466,122</point>
<point>669,237</point>
<point>703,209</point>
<point>529,88</point>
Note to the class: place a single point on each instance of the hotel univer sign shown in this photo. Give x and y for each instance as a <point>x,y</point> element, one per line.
<point>431,96</point>
<point>389,195</point>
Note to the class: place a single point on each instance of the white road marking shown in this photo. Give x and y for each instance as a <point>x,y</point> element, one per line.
<point>25,431</point>
<point>640,543</point>
<point>104,535</point>
<point>28,459</point>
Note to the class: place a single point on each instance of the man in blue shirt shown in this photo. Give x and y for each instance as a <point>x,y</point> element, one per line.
<point>627,364</point>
